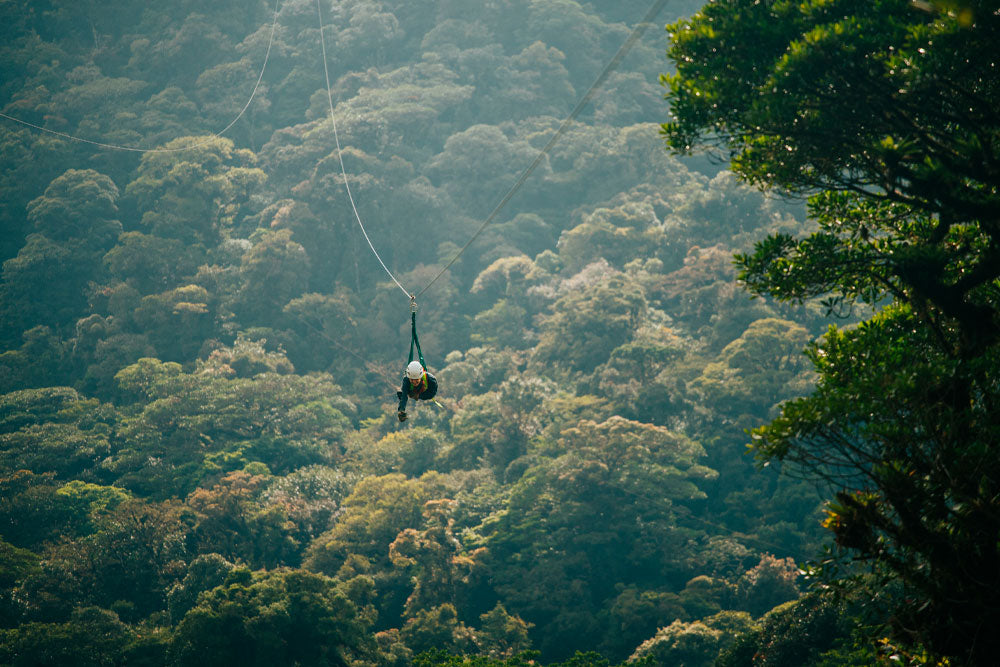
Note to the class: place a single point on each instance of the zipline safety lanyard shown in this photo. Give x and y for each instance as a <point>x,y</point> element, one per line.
<point>413,333</point>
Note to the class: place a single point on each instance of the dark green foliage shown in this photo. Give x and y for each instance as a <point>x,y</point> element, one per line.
<point>883,113</point>
<point>204,573</point>
<point>15,565</point>
<point>71,225</point>
<point>92,636</point>
<point>570,517</point>
<point>812,631</point>
<point>282,618</point>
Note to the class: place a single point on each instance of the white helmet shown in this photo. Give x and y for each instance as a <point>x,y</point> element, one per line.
<point>414,370</point>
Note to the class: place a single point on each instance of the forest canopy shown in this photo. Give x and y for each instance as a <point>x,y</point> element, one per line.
<point>200,457</point>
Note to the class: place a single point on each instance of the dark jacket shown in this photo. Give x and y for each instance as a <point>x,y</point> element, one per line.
<point>419,393</point>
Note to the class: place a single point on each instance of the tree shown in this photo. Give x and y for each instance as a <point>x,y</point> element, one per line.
<point>41,361</point>
<point>310,497</point>
<point>149,263</point>
<point>245,359</point>
<point>501,635</point>
<point>614,235</point>
<point>204,573</point>
<point>757,371</point>
<point>768,584</point>
<point>286,617</point>
<point>695,644</point>
<point>79,205</point>
<point>464,153</point>
<point>89,504</point>
<point>195,195</point>
<point>15,564</point>
<point>435,556</point>
<point>533,82</point>
<point>233,523</point>
<point>318,319</point>
<point>189,427</point>
<point>30,162</point>
<point>807,98</point>
<point>815,630</point>
<point>502,325</point>
<point>438,628</point>
<point>274,271</point>
<point>412,452</point>
<point>596,516</point>
<point>72,225</point>
<point>67,444</point>
<point>92,636</point>
<point>378,509</point>
<point>177,321</point>
<point>585,325</point>
<point>887,111</point>
<point>494,428</point>
<point>135,554</point>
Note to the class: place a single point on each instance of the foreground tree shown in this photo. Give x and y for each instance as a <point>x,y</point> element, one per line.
<point>887,113</point>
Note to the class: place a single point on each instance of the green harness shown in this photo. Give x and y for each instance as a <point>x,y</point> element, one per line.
<point>414,341</point>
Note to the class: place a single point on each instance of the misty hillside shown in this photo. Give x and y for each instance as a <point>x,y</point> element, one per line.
<point>205,324</point>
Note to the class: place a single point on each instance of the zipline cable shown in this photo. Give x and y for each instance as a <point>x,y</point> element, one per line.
<point>64,135</point>
<point>340,156</point>
<point>633,37</point>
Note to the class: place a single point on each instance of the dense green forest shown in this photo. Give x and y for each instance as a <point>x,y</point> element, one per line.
<point>630,458</point>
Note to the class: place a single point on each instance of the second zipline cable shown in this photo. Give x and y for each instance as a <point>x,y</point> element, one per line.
<point>132,149</point>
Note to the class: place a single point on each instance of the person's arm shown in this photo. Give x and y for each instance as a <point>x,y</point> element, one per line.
<point>402,396</point>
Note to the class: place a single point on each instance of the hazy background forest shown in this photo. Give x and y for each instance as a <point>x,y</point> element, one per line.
<point>200,461</point>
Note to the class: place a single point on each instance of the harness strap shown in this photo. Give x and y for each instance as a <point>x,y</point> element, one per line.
<point>414,340</point>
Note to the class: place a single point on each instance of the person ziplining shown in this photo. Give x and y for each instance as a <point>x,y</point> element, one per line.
<point>418,384</point>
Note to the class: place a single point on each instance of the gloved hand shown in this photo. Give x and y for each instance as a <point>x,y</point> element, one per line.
<point>399,395</point>
<point>402,416</point>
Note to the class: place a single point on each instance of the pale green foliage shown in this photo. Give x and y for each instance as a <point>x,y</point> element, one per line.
<point>501,635</point>
<point>79,205</point>
<point>695,644</point>
<point>92,502</point>
<point>763,366</point>
<point>197,195</point>
<point>587,324</point>
<point>245,359</point>
<point>438,628</point>
<point>375,512</point>
<point>412,452</point>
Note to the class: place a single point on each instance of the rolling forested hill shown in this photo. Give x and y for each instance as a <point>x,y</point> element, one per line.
<point>200,458</point>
